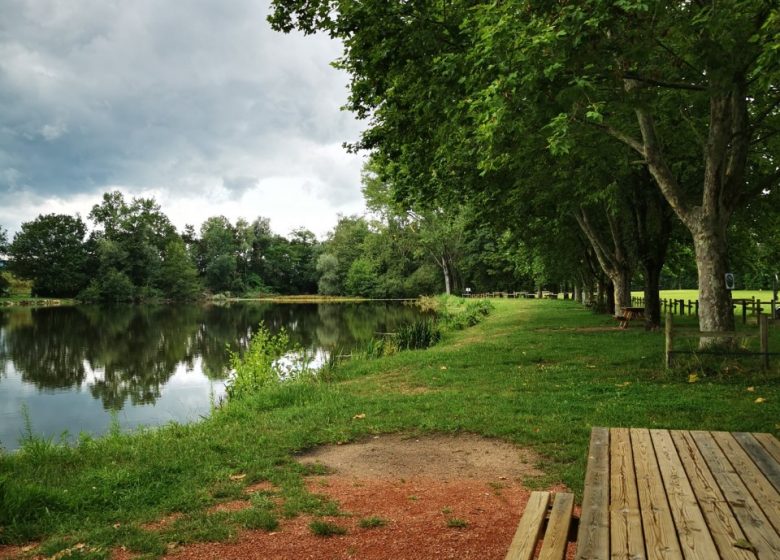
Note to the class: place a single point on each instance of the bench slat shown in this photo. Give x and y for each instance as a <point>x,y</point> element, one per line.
<point>762,490</point>
<point>593,534</point>
<point>753,521</point>
<point>770,443</point>
<point>660,536</point>
<point>557,534</point>
<point>761,455</point>
<point>530,527</point>
<point>625,521</point>
<point>695,539</point>
<point>724,528</point>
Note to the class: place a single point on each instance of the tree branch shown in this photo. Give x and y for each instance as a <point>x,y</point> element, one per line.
<point>663,83</point>
<point>656,163</point>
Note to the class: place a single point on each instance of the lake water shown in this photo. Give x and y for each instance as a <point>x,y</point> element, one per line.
<point>66,370</point>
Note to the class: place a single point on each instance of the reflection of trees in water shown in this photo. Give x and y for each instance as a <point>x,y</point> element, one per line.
<point>47,348</point>
<point>140,357</point>
<point>3,345</point>
<point>134,350</point>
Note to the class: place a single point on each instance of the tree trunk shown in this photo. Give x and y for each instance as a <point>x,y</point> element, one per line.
<point>609,293</point>
<point>577,293</point>
<point>445,269</point>
<point>652,296</point>
<point>621,286</point>
<point>715,311</point>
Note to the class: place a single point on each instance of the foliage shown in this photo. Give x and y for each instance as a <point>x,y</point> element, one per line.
<point>269,358</point>
<point>51,252</point>
<point>327,268</point>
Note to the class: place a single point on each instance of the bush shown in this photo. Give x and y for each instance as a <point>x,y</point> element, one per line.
<point>270,358</point>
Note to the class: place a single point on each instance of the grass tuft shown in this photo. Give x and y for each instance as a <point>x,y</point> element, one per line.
<point>372,522</point>
<point>326,529</point>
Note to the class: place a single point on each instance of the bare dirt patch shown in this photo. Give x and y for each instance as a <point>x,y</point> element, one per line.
<point>437,497</point>
<point>440,457</point>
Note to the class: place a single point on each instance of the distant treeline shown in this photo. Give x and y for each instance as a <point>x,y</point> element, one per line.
<point>134,253</point>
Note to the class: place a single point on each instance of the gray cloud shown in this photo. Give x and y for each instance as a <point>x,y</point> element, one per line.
<point>183,97</point>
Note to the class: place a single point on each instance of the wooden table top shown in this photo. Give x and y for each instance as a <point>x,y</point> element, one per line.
<point>675,494</point>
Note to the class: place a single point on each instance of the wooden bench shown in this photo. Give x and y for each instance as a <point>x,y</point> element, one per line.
<point>547,518</point>
<point>674,494</point>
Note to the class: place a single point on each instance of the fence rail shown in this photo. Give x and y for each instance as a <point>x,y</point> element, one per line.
<point>763,335</point>
<point>754,306</point>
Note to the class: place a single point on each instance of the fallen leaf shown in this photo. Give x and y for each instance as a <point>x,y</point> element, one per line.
<point>751,389</point>
<point>443,367</point>
<point>241,476</point>
<point>693,378</point>
<point>359,416</point>
<point>759,400</point>
<point>117,525</point>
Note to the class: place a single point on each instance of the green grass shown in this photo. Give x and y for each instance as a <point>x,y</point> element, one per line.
<point>536,373</point>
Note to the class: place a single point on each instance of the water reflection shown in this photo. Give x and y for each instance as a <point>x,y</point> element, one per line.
<point>124,356</point>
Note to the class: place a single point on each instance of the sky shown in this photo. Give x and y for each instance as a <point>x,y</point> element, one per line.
<point>197,103</point>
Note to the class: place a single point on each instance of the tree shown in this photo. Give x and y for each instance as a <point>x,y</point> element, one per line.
<point>178,277</point>
<point>691,84</point>
<point>327,268</point>
<point>455,87</point>
<point>51,252</point>
<point>131,243</point>
<point>218,255</point>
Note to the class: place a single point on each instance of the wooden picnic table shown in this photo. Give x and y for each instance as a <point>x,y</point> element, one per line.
<point>629,314</point>
<point>679,494</point>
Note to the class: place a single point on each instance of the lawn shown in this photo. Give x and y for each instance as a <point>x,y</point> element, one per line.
<point>536,373</point>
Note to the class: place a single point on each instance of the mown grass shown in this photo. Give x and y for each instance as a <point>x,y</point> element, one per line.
<point>536,373</point>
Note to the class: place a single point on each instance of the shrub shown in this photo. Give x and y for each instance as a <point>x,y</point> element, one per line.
<point>270,358</point>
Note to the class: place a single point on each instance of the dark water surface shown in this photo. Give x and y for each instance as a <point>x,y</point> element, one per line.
<point>68,369</point>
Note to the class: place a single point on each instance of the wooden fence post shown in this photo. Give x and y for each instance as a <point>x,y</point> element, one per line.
<point>763,334</point>
<point>744,312</point>
<point>682,307</point>
<point>697,307</point>
<point>668,337</point>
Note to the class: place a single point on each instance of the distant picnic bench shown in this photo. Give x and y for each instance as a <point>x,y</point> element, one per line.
<point>665,494</point>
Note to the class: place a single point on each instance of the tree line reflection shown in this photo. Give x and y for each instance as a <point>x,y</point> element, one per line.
<point>129,353</point>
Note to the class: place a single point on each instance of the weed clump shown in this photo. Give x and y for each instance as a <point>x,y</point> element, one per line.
<point>372,522</point>
<point>325,529</point>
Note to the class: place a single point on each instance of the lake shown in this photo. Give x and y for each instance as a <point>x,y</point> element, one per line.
<point>67,370</point>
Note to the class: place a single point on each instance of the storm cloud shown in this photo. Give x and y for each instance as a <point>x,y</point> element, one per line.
<point>196,102</point>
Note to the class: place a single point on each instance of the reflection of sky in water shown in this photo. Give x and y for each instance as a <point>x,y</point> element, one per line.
<point>69,366</point>
<point>185,397</point>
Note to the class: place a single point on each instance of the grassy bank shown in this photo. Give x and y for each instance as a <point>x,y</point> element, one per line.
<point>537,373</point>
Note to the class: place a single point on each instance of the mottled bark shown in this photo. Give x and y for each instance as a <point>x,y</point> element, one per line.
<point>715,309</point>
